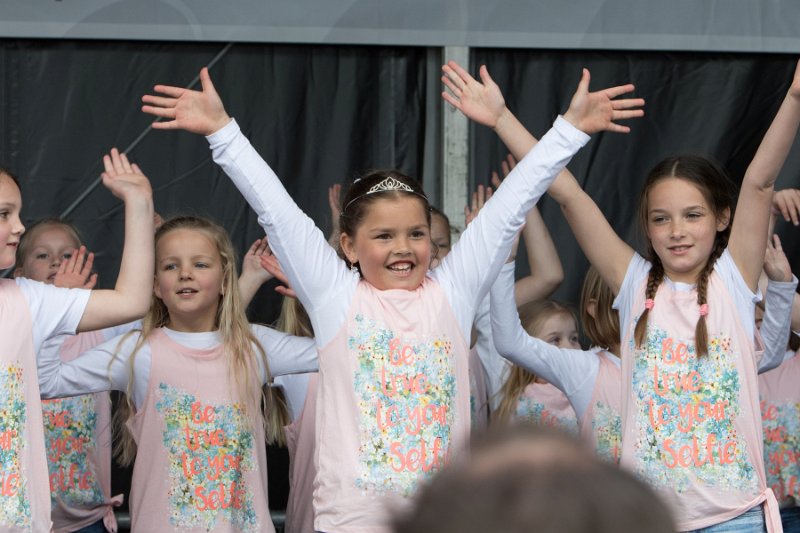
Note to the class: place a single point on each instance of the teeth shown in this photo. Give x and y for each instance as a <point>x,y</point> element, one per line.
<point>401,268</point>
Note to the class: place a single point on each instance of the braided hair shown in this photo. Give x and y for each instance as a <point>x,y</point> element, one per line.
<point>720,193</point>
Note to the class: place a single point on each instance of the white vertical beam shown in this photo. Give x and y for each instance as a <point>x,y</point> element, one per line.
<point>455,153</point>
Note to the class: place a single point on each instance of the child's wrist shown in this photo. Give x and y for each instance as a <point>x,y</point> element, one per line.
<point>505,119</point>
<point>223,121</point>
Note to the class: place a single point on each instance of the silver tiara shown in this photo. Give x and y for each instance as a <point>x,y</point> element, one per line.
<point>389,184</point>
<point>386,185</point>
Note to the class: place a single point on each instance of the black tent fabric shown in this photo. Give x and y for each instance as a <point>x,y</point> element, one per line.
<point>321,114</point>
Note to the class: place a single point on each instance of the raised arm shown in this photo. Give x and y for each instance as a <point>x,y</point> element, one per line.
<point>546,272</point>
<point>571,371</point>
<point>748,240</point>
<point>130,298</point>
<point>779,295</point>
<point>484,103</point>
<point>311,265</point>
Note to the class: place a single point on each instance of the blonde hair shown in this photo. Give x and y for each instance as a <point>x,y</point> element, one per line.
<point>294,319</point>
<point>245,355</point>
<point>602,329</point>
<point>532,315</point>
<point>27,239</point>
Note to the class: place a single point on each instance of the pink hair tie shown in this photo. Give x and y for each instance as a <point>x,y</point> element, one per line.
<point>649,303</point>
<point>704,310</point>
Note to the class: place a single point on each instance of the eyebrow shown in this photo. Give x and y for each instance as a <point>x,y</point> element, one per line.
<point>689,208</point>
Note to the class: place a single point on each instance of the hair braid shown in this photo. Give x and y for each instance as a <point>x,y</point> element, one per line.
<point>701,329</point>
<point>654,279</point>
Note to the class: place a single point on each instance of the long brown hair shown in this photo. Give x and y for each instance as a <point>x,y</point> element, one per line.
<point>720,193</point>
<point>245,355</point>
<point>602,326</point>
<point>532,315</point>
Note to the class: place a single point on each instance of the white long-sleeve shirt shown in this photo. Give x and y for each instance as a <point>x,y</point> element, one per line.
<point>107,367</point>
<point>573,372</point>
<point>776,323</point>
<point>326,286</point>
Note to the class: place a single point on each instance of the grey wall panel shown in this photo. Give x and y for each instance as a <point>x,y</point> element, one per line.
<point>712,25</point>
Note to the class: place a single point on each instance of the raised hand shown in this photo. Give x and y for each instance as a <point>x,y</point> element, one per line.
<point>335,204</point>
<point>506,166</point>
<point>76,272</point>
<point>251,262</point>
<point>776,265</point>
<point>480,101</point>
<point>270,263</point>
<point>124,179</point>
<point>787,204</point>
<point>185,109</point>
<point>597,111</point>
<point>479,198</point>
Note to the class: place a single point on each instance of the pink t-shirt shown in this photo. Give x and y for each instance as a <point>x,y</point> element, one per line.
<point>78,441</point>
<point>691,425</point>
<point>601,424</point>
<point>393,405</point>
<point>24,491</point>
<point>546,405</point>
<point>201,460</point>
<point>478,392</point>
<point>780,419</point>
<point>301,439</point>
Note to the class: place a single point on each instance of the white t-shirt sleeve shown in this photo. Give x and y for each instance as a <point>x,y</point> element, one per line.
<point>103,368</point>
<point>469,270</point>
<point>54,311</point>
<point>777,322</point>
<point>295,388</point>
<point>286,354</point>
<point>573,372</point>
<point>495,366</point>
<point>743,298</point>
<point>322,281</point>
<point>122,329</point>
<point>637,271</point>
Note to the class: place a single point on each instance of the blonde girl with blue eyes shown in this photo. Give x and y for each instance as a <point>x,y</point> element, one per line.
<point>196,415</point>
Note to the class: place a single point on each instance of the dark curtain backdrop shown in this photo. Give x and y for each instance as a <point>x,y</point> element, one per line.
<point>321,114</point>
<point>717,105</point>
<point>318,114</point>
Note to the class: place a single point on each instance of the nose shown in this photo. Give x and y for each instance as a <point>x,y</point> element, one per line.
<point>185,273</point>
<point>402,246</point>
<point>676,229</point>
<point>19,228</point>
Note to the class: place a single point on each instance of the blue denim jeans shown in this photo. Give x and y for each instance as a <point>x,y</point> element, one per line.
<point>97,527</point>
<point>751,521</point>
<point>790,518</point>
